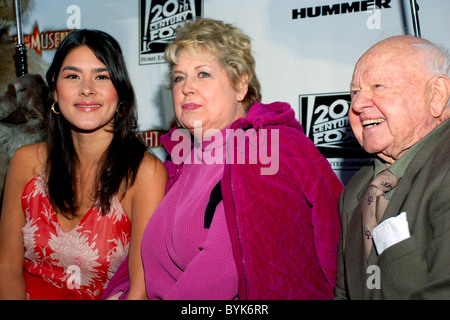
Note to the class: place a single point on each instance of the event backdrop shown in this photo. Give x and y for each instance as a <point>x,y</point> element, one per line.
<point>305,51</point>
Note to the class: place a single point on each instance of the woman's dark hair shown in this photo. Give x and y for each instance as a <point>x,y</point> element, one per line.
<point>120,162</point>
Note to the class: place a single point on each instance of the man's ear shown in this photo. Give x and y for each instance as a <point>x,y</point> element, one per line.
<point>440,94</point>
<point>242,87</point>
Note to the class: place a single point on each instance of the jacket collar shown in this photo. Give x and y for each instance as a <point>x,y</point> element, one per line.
<point>259,116</point>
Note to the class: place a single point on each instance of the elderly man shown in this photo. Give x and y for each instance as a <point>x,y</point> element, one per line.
<point>399,113</point>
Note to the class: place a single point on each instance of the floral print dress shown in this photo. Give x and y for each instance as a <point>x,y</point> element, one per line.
<point>70,265</point>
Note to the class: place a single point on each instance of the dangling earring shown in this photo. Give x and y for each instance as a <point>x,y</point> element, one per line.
<point>53,109</point>
<point>117,109</point>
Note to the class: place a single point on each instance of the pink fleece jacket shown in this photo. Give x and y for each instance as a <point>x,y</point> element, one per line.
<point>283,227</point>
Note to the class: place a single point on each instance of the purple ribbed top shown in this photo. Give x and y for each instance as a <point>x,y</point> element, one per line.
<point>182,259</point>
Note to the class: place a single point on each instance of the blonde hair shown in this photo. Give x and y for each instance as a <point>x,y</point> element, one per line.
<point>224,42</point>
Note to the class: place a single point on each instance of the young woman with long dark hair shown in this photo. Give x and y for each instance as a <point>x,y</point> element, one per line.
<point>76,205</point>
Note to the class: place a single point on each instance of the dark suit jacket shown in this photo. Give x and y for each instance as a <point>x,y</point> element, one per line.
<point>417,267</point>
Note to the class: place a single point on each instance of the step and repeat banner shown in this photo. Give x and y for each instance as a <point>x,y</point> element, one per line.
<point>305,51</point>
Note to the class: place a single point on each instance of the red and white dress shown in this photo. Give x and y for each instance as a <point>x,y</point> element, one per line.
<point>77,264</point>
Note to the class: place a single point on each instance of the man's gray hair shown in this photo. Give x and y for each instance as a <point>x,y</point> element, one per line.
<point>436,58</point>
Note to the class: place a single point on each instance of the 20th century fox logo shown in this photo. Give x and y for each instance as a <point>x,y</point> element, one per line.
<point>158,22</point>
<point>324,118</point>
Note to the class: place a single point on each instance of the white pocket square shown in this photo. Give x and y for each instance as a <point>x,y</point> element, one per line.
<point>390,232</point>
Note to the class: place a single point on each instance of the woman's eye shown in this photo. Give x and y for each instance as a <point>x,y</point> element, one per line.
<point>204,74</point>
<point>71,76</point>
<point>103,77</point>
<point>177,79</point>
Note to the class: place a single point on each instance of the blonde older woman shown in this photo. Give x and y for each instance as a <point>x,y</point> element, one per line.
<point>227,228</point>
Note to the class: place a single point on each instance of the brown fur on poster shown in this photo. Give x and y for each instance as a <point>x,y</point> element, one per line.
<point>22,112</point>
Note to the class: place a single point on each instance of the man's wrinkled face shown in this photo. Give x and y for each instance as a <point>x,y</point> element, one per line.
<point>389,111</point>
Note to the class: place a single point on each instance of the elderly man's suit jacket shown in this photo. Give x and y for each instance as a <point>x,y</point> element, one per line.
<point>419,266</point>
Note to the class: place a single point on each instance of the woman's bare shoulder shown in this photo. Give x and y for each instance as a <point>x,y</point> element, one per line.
<point>153,166</point>
<point>29,160</point>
